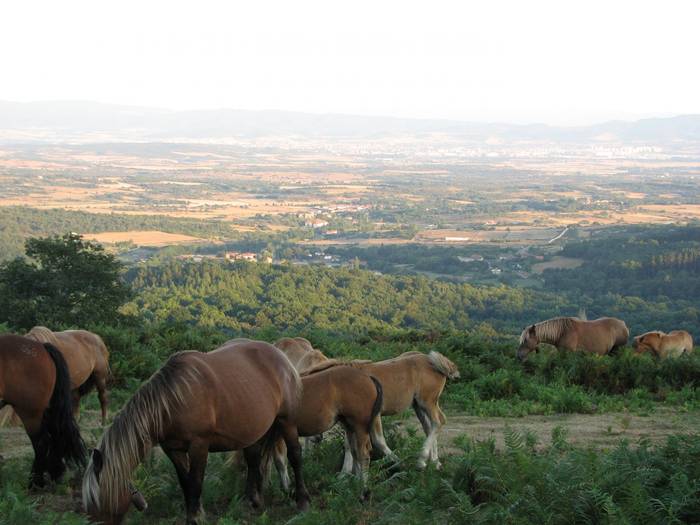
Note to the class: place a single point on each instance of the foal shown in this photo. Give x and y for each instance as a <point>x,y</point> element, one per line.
<point>344,395</point>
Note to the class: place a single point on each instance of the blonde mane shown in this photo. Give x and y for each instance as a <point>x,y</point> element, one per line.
<point>42,335</point>
<point>135,430</point>
<point>551,330</point>
<point>331,363</point>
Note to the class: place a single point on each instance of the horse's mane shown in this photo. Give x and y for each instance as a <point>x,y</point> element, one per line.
<point>43,335</point>
<point>135,429</point>
<point>331,363</point>
<point>551,330</point>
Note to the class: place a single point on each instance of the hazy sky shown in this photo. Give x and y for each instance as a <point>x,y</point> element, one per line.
<point>560,61</point>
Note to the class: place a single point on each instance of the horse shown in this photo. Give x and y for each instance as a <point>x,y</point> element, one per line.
<point>602,336</point>
<point>88,362</point>
<point>242,395</point>
<point>310,359</point>
<point>412,379</point>
<point>672,344</point>
<point>34,381</point>
<point>294,348</point>
<point>341,394</point>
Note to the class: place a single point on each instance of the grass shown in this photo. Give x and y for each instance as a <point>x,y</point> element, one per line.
<point>522,483</point>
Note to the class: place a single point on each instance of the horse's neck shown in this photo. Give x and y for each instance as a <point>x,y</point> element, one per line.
<point>549,332</point>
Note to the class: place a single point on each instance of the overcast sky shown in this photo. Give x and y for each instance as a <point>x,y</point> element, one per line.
<point>560,62</point>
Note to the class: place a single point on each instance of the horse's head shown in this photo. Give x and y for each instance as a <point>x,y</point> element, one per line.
<point>94,502</point>
<point>528,342</point>
<point>649,342</point>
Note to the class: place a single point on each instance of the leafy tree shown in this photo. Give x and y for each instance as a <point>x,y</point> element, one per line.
<point>67,281</point>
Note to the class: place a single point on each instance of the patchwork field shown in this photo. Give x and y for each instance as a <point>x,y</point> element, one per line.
<point>142,238</point>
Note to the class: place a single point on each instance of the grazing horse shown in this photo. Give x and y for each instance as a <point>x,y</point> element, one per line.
<point>672,344</point>
<point>242,395</point>
<point>309,360</point>
<point>87,358</point>
<point>34,381</point>
<point>294,348</point>
<point>340,394</point>
<point>412,379</point>
<point>602,336</point>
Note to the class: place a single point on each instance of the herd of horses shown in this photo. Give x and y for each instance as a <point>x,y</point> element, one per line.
<point>248,396</point>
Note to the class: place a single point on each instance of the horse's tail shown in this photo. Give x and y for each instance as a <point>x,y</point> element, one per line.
<point>64,440</point>
<point>443,365</point>
<point>378,403</point>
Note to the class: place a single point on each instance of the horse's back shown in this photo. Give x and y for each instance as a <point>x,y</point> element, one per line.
<point>295,348</point>
<point>259,371</point>
<point>676,343</point>
<point>26,370</point>
<point>602,334</point>
<point>403,378</point>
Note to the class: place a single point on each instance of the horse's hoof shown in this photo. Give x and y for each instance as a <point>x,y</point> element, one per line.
<point>421,464</point>
<point>366,494</point>
<point>303,505</point>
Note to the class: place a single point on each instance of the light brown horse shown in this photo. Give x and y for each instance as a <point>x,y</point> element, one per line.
<point>412,379</point>
<point>310,359</point>
<point>294,348</point>
<point>672,344</point>
<point>602,336</point>
<point>197,403</point>
<point>87,358</point>
<point>34,381</point>
<point>344,395</point>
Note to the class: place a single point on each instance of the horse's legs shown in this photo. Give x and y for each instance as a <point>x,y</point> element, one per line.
<point>75,403</point>
<point>198,454</point>
<point>36,478</point>
<point>181,463</point>
<point>291,439</point>
<point>428,426</point>
<point>378,440</point>
<point>101,384</point>
<point>253,456</point>
<point>431,421</point>
<point>347,458</point>
<point>281,463</point>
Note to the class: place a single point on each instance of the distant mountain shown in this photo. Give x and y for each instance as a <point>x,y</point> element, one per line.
<point>52,120</point>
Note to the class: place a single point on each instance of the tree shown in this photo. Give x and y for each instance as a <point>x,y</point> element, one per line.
<point>66,281</point>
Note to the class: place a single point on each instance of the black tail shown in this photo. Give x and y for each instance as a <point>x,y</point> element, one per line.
<point>60,429</point>
<point>378,403</point>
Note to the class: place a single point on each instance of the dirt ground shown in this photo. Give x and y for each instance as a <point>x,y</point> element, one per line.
<point>597,430</point>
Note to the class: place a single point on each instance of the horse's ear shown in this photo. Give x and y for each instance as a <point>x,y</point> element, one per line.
<point>97,460</point>
<point>531,329</point>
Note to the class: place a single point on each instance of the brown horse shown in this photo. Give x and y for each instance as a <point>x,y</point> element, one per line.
<point>294,348</point>
<point>34,381</point>
<point>344,395</point>
<point>672,344</point>
<point>412,379</point>
<point>602,336</point>
<point>87,358</point>
<point>197,403</point>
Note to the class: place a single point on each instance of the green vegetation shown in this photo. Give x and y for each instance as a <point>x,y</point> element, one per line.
<point>352,313</point>
<point>523,483</point>
<point>66,281</point>
<point>241,296</point>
